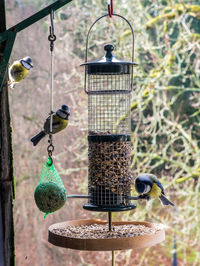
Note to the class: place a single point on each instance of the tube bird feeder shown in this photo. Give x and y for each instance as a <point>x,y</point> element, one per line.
<point>109,86</point>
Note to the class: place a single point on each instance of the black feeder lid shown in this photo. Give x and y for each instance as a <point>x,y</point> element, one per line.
<point>108,64</point>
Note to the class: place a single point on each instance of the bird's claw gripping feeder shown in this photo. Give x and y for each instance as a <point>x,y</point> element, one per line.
<point>108,84</point>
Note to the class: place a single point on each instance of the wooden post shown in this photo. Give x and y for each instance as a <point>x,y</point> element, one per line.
<point>6,167</point>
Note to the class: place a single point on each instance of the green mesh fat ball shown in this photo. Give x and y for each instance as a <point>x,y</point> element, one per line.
<point>50,194</point>
<point>49,197</point>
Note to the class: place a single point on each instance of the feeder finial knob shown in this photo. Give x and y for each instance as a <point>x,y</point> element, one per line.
<point>109,48</point>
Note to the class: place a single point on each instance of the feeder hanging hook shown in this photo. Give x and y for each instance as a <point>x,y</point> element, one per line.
<point>52,36</point>
<point>110,8</point>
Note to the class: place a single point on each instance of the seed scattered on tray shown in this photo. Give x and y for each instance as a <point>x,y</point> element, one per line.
<point>99,231</point>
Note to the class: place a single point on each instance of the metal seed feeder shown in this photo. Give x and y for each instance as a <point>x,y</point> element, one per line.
<point>108,83</point>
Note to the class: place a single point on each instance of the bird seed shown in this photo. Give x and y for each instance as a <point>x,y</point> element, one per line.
<point>100,231</point>
<point>109,174</point>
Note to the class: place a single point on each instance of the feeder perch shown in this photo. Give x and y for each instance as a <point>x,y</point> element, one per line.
<point>108,84</point>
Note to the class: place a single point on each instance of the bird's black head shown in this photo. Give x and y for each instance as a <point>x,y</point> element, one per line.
<point>143,183</point>
<point>63,112</point>
<point>27,62</point>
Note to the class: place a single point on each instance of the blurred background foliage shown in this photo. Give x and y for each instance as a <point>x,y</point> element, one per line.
<point>165,121</point>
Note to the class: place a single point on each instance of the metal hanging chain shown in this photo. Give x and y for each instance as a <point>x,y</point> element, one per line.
<point>50,148</point>
<point>110,8</point>
<point>51,38</point>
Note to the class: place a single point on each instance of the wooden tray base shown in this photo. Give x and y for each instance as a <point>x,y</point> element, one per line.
<point>136,242</point>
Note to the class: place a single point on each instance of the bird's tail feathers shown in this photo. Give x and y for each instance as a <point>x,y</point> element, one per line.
<point>38,137</point>
<point>165,201</point>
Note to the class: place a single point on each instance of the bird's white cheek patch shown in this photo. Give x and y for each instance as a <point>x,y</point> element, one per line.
<point>147,189</point>
<point>61,114</point>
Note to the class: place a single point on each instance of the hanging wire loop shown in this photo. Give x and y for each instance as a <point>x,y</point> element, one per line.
<point>110,8</point>
<point>52,36</point>
<point>87,44</point>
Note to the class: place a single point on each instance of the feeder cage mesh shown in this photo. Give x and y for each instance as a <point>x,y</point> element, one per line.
<point>108,104</point>
<point>108,85</point>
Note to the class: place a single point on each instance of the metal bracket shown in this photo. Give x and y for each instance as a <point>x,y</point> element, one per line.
<point>9,35</point>
<point>78,196</point>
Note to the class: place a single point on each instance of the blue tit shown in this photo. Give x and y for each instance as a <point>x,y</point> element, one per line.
<point>19,69</point>
<point>148,186</point>
<point>60,121</point>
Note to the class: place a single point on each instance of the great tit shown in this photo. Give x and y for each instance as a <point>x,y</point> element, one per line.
<point>60,121</point>
<point>19,69</point>
<point>148,186</point>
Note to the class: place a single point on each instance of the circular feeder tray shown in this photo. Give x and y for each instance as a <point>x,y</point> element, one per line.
<point>92,207</point>
<point>136,242</point>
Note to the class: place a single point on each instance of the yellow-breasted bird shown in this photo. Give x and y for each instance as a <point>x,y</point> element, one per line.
<point>148,186</point>
<point>60,121</point>
<point>19,69</point>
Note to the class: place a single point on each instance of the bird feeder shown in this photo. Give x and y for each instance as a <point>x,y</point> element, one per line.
<point>108,84</point>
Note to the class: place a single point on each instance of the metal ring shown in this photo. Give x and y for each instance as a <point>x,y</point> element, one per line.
<point>87,40</point>
<point>50,148</point>
<point>52,38</point>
